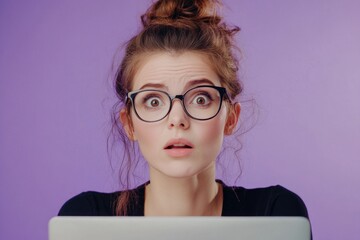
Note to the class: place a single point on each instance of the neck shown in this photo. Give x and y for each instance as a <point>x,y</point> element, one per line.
<point>198,195</point>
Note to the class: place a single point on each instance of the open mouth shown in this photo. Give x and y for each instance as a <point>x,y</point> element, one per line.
<point>177,146</point>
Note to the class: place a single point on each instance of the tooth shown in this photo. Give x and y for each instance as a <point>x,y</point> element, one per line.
<point>179,145</point>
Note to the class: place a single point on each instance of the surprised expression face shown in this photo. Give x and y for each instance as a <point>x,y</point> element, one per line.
<point>178,146</point>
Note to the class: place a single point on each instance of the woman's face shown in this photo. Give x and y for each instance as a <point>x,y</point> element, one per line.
<point>178,146</point>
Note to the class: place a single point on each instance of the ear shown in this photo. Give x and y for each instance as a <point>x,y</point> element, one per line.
<point>232,119</point>
<point>125,119</point>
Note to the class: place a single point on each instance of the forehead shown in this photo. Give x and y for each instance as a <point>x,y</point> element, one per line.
<point>173,70</point>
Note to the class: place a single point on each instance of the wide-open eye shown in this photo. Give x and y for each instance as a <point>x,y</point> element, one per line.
<point>202,99</point>
<point>151,100</point>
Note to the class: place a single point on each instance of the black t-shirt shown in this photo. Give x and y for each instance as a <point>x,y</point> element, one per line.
<point>237,201</point>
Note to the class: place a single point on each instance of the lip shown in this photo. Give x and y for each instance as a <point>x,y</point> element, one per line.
<point>178,141</point>
<point>179,151</point>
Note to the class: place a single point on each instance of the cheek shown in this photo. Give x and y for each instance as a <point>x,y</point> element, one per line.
<point>211,134</point>
<point>143,132</point>
<point>146,135</point>
<point>209,131</point>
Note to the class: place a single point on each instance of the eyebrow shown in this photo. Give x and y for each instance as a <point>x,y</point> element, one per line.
<point>198,82</point>
<point>153,85</point>
<point>187,86</point>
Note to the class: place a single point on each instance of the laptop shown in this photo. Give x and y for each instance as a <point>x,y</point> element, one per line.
<point>179,228</point>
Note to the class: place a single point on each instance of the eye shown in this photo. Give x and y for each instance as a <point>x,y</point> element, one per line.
<point>201,99</point>
<point>153,102</point>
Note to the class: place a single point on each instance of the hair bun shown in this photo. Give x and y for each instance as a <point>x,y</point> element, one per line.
<point>182,12</point>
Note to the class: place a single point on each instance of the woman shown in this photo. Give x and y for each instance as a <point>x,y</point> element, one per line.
<point>178,84</point>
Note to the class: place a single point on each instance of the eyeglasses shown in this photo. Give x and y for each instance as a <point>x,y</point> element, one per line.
<point>200,103</point>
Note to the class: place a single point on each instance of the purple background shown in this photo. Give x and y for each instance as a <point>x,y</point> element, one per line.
<point>301,63</point>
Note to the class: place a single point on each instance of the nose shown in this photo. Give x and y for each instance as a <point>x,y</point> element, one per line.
<point>177,116</point>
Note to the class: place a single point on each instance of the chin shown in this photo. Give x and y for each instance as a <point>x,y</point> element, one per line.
<point>182,170</point>
<point>178,173</point>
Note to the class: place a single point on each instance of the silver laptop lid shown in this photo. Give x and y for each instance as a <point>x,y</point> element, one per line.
<point>179,228</point>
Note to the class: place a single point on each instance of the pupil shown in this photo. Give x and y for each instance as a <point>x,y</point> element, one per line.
<point>200,100</point>
<point>154,103</point>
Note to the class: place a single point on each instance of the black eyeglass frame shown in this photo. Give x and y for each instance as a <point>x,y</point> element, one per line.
<point>222,91</point>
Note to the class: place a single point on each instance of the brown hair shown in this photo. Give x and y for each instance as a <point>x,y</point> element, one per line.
<point>173,26</point>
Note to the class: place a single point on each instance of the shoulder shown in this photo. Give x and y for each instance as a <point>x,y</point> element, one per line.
<point>287,203</point>
<point>268,201</point>
<point>103,204</point>
<point>90,204</point>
